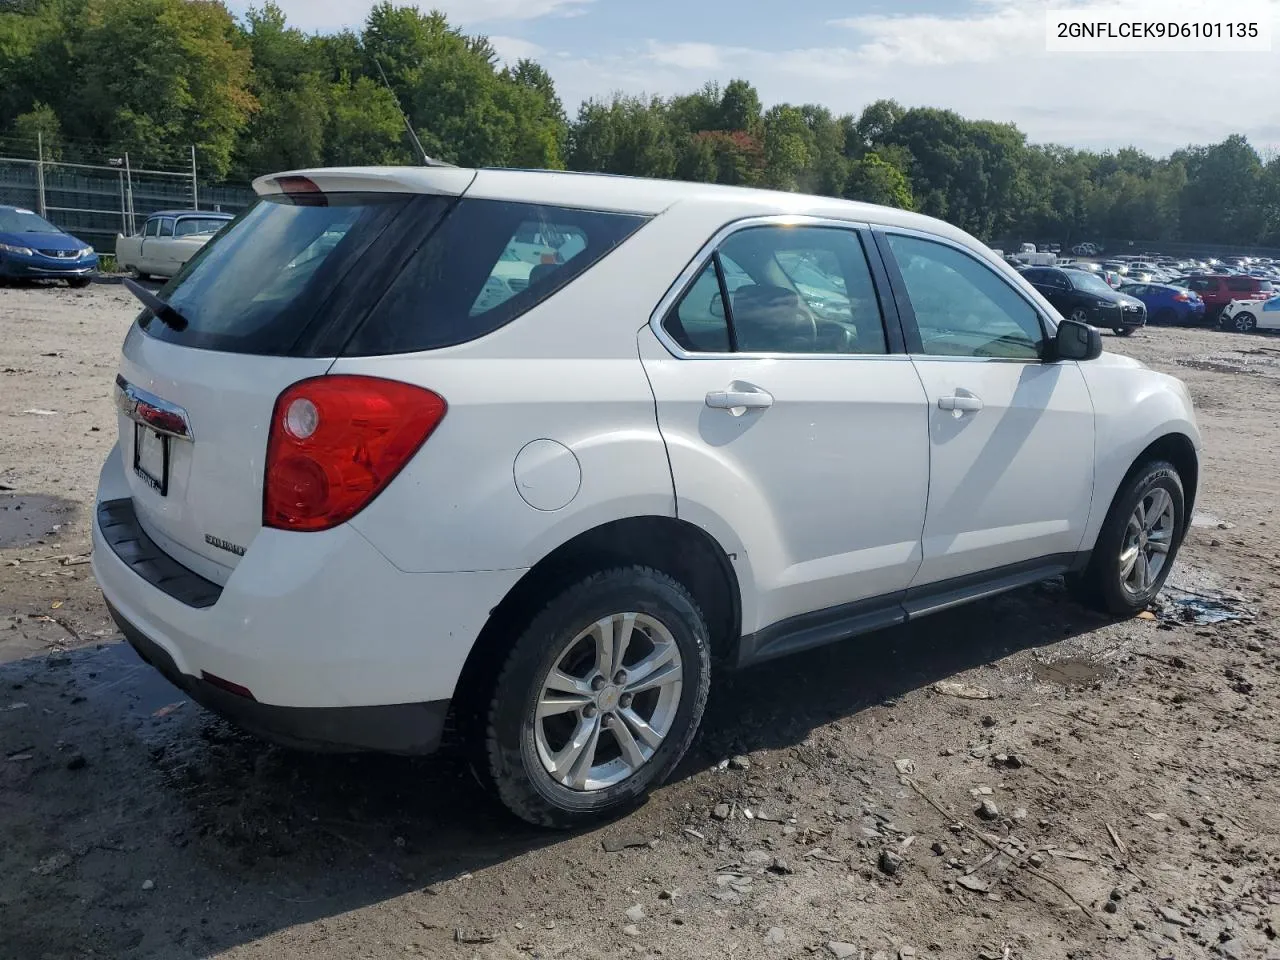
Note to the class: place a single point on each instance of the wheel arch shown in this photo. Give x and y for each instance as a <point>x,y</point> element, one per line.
<point>675,547</point>
<point>1179,450</point>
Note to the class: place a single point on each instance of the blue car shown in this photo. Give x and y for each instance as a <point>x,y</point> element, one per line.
<point>1168,304</point>
<point>32,248</point>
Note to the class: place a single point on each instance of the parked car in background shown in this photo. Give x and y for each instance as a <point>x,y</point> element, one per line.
<point>1246,316</point>
<point>1116,266</point>
<point>167,240</point>
<point>1086,298</point>
<point>1167,304</point>
<point>32,248</point>
<point>347,507</point>
<point>1217,291</point>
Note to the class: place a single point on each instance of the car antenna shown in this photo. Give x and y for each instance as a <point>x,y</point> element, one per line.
<point>427,161</point>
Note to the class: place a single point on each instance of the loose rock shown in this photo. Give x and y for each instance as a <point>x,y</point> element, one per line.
<point>148,884</point>
<point>775,935</point>
<point>635,914</point>
<point>842,951</point>
<point>739,762</point>
<point>987,810</point>
<point>890,862</point>
<point>631,930</point>
<point>905,767</point>
<point>720,811</point>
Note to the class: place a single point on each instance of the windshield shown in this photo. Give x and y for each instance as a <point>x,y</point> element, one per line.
<point>1089,283</point>
<point>18,220</point>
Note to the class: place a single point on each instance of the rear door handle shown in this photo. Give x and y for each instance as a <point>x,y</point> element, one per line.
<point>740,399</point>
<point>960,403</point>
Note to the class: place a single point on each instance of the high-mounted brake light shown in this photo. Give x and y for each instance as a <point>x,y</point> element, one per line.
<point>336,442</point>
<point>298,185</point>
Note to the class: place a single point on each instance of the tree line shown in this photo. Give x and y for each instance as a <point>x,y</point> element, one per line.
<point>99,77</point>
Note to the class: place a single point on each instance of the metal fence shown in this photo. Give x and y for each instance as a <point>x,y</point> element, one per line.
<point>96,202</point>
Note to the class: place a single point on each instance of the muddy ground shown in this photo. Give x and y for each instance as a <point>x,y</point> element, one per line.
<point>1131,767</point>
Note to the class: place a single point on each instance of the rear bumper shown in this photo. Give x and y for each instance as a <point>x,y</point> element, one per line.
<point>317,626</point>
<point>406,728</point>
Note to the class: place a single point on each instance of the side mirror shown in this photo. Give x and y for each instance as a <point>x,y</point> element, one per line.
<point>1077,341</point>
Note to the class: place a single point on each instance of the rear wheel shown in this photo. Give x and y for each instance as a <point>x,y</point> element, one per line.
<point>79,283</point>
<point>598,700</point>
<point>1137,544</point>
<point>1244,322</point>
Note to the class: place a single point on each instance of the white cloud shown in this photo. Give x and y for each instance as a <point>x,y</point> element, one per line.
<point>989,62</point>
<point>511,49</point>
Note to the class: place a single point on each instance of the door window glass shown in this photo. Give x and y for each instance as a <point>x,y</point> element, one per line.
<point>791,290</point>
<point>166,228</point>
<point>152,229</point>
<point>962,307</point>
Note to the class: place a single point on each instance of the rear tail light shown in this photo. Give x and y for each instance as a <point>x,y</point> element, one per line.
<point>336,442</point>
<point>1181,298</point>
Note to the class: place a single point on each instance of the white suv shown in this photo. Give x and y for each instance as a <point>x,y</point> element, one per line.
<point>374,471</point>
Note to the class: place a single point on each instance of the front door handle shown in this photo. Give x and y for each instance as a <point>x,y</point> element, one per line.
<point>740,398</point>
<point>960,403</point>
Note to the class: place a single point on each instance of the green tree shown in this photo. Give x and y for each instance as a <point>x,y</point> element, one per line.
<point>788,147</point>
<point>40,127</point>
<point>740,108</point>
<point>872,179</point>
<point>365,126</point>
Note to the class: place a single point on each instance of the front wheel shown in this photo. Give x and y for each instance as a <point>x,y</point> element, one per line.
<point>598,700</point>
<point>1122,331</point>
<point>1080,315</point>
<point>1137,544</point>
<point>78,283</point>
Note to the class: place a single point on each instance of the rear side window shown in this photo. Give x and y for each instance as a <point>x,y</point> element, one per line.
<point>488,262</point>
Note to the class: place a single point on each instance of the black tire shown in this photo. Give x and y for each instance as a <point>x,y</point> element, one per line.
<point>1101,584</point>
<point>140,276</point>
<point>79,283</point>
<point>1122,331</point>
<point>508,759</point>
<point>1243,322</point>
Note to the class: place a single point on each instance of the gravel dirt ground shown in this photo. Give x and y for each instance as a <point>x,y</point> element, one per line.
<point>1114,796</point>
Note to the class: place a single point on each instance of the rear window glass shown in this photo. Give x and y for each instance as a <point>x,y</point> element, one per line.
<point>488,262</point>
<point>189,226</point>
<point>259,284</point>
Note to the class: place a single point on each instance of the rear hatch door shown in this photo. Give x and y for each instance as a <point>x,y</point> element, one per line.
<point>270,301</point>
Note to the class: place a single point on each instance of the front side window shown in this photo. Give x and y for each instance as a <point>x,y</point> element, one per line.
<point>1088,283</point>
<point>166,228</point>
<point>962,307</point>
<point>152,229</point>
<point>791,290</point>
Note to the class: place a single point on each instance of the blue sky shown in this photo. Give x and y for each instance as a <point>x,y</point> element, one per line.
<point>984,58</point>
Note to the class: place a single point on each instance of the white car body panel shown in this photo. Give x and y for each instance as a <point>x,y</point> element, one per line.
<point>1013,481</point>
<point>826,488</point>
<point>852,486</point>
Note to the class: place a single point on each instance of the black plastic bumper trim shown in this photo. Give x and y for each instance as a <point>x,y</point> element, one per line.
<point>129,542</point>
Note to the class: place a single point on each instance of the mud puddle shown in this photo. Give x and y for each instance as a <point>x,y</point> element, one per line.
<point>1071,672</point>
<point>28,519</point>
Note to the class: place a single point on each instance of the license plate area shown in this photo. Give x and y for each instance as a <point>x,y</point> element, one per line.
<point>151,457</point>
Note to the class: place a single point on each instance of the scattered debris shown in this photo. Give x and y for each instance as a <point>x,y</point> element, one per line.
<point>720,811</point>
<point>168,709</point>
<point>148,884</point>
<point>965,691</point>
<point>739,763</point>
<point>1115,838</point>
<point>905,767</point>
<point>842,951</point>
<point>987,810</point>
<point>624,841</point>
<point>775,935</point>
<point>975,884</point>
<point>51,865</point>
<point>890,862</point>
<point>37,411</point>
<point>635,913</point>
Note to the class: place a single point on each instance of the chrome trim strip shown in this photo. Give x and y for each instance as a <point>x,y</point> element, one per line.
<point>160,415</point>
<point>699,262</point>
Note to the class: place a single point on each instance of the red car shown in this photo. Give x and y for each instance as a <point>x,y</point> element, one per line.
<point>1217,291</point>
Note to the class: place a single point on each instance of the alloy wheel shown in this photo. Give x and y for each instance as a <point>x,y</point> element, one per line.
<point>1147,541</point>
<point>608,702</point>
